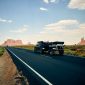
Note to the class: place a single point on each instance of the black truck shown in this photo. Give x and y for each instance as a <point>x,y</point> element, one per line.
<point>49,47</point>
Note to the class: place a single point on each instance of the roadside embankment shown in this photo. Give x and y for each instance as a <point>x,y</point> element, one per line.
<point>9,74</point>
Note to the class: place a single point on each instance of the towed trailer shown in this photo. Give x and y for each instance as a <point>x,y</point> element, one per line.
<point>49,47</point>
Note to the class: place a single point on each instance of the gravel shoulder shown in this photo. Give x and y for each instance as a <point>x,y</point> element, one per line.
<point>8,71</point>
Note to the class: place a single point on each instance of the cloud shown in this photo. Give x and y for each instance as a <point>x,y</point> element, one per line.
<point>73,4</point>
<point>26,26</point>
<point>10,21</point>
<point>46,1</point>
<point>82,28</point>
<point>63,24</point>
<point>20,30</point>
<point>77,4</point>
<point>49,1</point>
<point>69,31</point>
<point>5,21</point>
<point>52,1</point>
<point>43,9</point>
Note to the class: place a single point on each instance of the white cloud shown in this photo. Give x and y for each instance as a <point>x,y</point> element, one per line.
<point>26,26</point>
<point>77,4</point>
<point>49,1</point>
<point>20,30</point>
<point>69,31</point>
<point>82,29</point>
<point>10,21</point>
<point>63,24</point>
<point>52,0</point>
<point>43,9</point>
<point>5,21</point>
<point>46,1</point>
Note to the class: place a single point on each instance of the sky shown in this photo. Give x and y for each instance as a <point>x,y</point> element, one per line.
<point>47,20</point>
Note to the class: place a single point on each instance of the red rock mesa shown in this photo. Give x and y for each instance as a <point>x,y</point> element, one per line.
<point>82,42</point>
<point>11,42</point>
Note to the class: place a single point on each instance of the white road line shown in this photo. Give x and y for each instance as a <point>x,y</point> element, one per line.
<point>44,79</point>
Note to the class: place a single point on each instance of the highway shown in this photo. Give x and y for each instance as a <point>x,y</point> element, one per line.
<point>49,70</point>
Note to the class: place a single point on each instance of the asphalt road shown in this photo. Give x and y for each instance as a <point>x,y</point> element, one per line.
<point>49,70</point>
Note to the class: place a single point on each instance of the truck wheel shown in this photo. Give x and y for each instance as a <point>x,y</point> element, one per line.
<point>41,51</point>
<point>51,53</point>
<point>61,52</point>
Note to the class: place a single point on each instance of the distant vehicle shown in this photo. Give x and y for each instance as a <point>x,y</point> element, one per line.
<point>49,47</point>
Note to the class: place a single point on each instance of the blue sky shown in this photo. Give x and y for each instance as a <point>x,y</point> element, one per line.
<point>49,20</point>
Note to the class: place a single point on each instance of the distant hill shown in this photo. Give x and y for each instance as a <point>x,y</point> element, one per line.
<point>11,42</point>
<point>82,42</point>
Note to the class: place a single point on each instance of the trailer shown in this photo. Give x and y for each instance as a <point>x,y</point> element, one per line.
<point>49,47</point>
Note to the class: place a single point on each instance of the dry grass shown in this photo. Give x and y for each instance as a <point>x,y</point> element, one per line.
<point>29,47</point>
<point>1,51</point>
<point>76,50</point>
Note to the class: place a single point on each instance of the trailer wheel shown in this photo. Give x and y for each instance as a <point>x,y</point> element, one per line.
<point>51,52</point>
<point>41,51</point>
<point>61,52</point>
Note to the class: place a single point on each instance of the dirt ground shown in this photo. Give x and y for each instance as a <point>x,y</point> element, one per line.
<point>9,74</point>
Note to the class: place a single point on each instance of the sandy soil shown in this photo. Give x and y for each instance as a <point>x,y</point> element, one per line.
<point>8,71</point>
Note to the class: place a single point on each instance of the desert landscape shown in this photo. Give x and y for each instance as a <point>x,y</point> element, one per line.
<point>13,75</point>
<point>42,42</point>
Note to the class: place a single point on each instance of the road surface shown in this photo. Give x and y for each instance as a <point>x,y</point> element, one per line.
<point>49,70</point>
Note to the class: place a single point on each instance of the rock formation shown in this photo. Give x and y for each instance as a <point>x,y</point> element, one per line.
<point>11,42</point>
<point>82,42</point>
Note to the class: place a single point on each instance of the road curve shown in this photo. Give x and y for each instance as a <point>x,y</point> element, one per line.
<point>49,70</point>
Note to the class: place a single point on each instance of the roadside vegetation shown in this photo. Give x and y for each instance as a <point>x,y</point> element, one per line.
<point>76,50</point>
<point>1,51</point>
<point>29,47</point>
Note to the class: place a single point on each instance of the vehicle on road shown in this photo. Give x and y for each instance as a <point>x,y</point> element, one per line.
<point>49,47</point>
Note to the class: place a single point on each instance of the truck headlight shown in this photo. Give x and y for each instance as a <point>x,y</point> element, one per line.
<point>43,48</point>
<point>54,48</point>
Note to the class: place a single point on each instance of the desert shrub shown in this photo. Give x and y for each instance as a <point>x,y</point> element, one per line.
<point>1,51</point>
<point>29,47</point>
<point>69,52</point>
<point>76,50</point>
